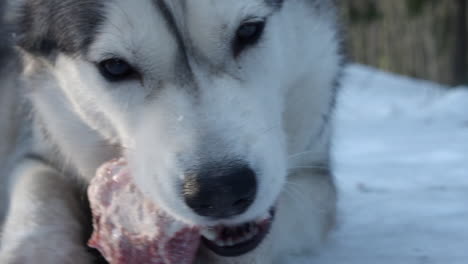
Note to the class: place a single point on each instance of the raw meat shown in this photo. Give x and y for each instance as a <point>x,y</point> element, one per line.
<point>129,228</point>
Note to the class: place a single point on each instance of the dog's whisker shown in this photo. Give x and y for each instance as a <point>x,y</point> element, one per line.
<point>292,195</point>
<point>298,196</point>
<point>300,154</point>
<point>298,199</point>
<point>309,167</point>
<point>294,191</point>
<point>263,133</point>
<point>292,184</point>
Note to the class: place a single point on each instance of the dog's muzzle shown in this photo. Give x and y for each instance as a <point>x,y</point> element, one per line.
<point>220,192</point>
<point>224,191</point>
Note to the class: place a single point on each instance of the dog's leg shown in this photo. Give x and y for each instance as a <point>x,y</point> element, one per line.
<point>44,224</point>
<point>306,212</point>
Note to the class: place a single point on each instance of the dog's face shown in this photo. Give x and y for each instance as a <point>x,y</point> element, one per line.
<point>192,90</point>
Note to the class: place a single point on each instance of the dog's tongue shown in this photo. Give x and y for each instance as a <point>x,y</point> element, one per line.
<point>129,228</point>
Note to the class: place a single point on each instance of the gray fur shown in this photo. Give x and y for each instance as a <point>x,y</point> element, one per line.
<point>45,27</point>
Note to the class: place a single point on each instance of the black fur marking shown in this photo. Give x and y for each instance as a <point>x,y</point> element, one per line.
<point>38,158</point>
<point>169,17</point>
<point>182,64</point>
<point>45,27</point>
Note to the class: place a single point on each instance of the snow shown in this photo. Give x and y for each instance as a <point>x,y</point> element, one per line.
<point>401,162</point>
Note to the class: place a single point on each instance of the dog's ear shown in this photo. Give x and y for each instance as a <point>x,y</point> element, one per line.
<point>45,27</point>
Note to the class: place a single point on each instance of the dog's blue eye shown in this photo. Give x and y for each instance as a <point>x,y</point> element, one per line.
<point>116,69</point>
<point>248,31</point>
<point>248,34</point>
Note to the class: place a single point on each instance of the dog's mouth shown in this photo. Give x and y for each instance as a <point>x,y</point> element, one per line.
<point>233,241</point>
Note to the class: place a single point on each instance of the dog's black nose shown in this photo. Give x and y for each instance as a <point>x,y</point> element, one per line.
<point>220,192</point>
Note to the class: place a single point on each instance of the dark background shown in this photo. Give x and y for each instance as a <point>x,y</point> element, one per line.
<point>5,45</point>
<point>425,39</point>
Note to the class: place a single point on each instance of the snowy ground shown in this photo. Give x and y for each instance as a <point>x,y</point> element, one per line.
<point>402,170</point>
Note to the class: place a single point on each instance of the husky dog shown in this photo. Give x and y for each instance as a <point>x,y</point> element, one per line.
<point>222,108</point>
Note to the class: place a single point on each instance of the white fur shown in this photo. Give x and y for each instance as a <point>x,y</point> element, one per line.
<point>265,107</point>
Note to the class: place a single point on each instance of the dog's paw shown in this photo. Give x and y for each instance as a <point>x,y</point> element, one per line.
<point>44,250</point>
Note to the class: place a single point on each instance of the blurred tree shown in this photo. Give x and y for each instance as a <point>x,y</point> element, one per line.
<point>421,38</point>
<point>416,7</point>
<point>3,42</point>
<point>461,44</point>
<point>364,12</point>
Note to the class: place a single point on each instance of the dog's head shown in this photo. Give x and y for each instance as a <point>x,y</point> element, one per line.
<point>193,90</point>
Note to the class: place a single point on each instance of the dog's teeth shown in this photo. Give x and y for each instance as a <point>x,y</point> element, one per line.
<point>228,237</point>
<point>239,241</point>
<point>220,243</point>
<point>246,236</point>
<point>229,242</point>
<point>244,239</point>
<point>210,234</point>
<point>255,231</point>
<point>250,236</point>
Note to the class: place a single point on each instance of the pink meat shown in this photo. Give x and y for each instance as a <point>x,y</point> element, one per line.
<point>129,228</point>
